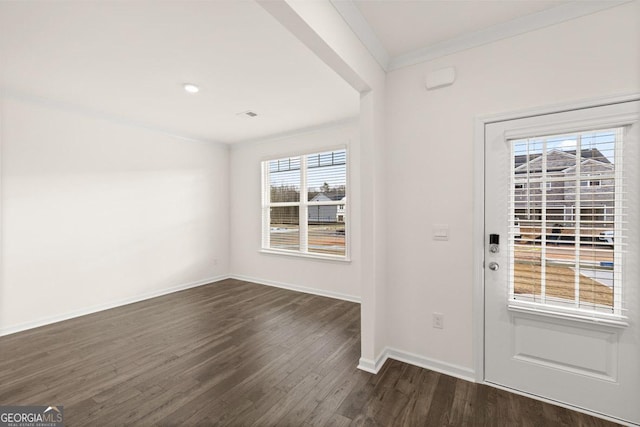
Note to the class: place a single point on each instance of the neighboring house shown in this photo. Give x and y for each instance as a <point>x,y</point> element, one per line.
<point>325,213</point>
<point>595,187</point>
<point>340,212</point>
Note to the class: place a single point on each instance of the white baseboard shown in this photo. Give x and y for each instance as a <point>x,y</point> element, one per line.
<point>367,365</point>
<point>141,297</point>
<point>373,366</point>
<point>314,291</point>
<point>94,309</point>
<point>416,360</point>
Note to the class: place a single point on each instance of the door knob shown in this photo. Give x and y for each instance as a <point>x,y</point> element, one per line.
<point>494,266</point>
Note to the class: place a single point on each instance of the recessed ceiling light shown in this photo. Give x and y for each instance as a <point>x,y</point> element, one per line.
<point>191,88</point>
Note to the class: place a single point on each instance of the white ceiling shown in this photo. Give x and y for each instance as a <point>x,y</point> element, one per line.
<point>399,33</point>
<point>128,61</point>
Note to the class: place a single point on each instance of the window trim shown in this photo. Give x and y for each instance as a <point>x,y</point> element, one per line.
<point>296,254</point>
<point>304,204</point>
<point>585,316</point>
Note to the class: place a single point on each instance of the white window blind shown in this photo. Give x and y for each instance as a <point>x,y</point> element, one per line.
<point>567,231</point>
<point>304,204</point>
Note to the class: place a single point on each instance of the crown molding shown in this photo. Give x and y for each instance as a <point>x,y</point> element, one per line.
<point>514,27</point>
<point>524,24</point>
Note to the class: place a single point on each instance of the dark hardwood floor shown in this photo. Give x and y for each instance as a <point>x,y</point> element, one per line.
<point>235,353</point>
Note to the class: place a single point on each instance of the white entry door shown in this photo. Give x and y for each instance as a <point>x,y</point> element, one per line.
<point>562,282</point>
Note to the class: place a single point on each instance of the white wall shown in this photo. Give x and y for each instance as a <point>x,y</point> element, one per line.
<point>97,213</point>
<point>331,278</point>
<point>430,144</point>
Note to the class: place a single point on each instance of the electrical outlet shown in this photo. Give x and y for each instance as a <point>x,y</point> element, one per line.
<point>438,320</point>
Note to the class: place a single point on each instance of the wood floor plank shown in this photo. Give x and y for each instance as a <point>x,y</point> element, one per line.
<point>461,412</point>
<point>234,353</point>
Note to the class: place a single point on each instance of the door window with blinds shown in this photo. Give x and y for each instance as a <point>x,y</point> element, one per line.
<point>304,204</point>
<point>567,221</point>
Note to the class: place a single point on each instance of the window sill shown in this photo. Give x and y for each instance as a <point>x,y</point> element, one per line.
<point>318,257</point>
<point>602,319</point>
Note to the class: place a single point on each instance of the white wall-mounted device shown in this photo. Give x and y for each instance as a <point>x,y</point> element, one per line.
<point>440,78</point>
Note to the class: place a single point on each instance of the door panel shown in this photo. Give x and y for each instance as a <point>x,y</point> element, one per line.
<point>561,290</point>
<point>532,335</point>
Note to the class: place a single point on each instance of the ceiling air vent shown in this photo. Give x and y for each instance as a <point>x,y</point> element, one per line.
<point>247,114</point>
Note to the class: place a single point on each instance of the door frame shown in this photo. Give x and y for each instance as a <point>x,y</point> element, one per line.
<point>478,215</point>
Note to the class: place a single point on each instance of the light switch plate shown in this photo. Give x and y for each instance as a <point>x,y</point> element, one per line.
<point>440,231</point>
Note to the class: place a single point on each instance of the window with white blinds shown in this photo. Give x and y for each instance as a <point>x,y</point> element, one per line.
<point>304,204</point>
<point>567,212</point>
